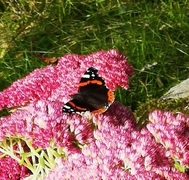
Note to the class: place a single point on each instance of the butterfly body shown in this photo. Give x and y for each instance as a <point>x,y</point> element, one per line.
<point>93,95</point>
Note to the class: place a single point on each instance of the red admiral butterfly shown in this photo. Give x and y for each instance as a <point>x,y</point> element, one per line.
<point>93,95</point>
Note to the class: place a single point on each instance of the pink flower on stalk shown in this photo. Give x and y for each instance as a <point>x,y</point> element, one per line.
<point>56,83</point>
<point>172,131</point>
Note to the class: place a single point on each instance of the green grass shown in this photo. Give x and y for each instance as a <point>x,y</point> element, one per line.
<point>148,32</point>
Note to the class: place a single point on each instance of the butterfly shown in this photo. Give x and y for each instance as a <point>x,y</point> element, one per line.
<point>93,95</point>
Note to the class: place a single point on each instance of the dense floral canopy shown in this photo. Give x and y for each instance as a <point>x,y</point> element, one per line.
<point>42,142</point>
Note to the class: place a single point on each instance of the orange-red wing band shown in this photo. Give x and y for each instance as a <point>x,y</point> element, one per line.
<point>77,107</point>
<point>90,82</point>
<point>111,96</point>
<point>99,111</point>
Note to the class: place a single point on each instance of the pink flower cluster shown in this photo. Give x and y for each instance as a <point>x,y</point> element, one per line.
<point>118,150</point>
<point>104,146</point>
<point>10,169</point>
<point>56,83</point>
<point>38,98</point>
<point>39,121</point>
<point>172,131</point>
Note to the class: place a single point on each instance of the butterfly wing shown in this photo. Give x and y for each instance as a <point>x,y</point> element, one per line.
<point>75,105</point>
<point>92,94</point>
<point>92,88</point>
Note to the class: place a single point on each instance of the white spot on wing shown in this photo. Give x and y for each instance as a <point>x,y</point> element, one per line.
<point>67,107</point>
<point>87,76</point>
<point>93,75</point>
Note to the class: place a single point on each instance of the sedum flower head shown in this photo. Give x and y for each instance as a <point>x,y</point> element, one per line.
<point>36,120</point>
<point>117,150</point>
<point>10,169</point>
<point>56,83</point>
<point>171,130</point>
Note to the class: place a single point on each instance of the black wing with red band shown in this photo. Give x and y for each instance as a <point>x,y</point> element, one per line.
<point>93,95</point>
